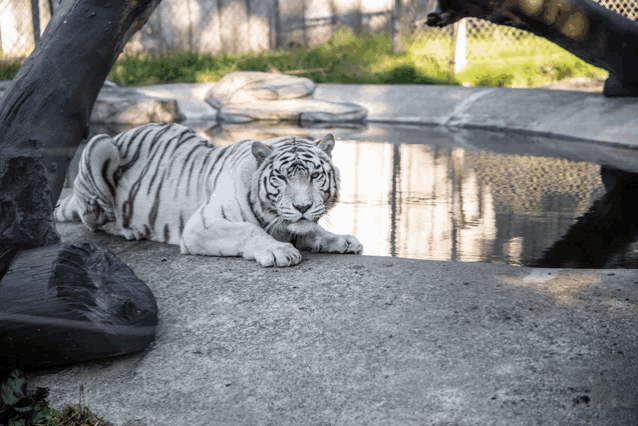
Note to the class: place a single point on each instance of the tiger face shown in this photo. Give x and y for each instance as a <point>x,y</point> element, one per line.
<point>296,183</point>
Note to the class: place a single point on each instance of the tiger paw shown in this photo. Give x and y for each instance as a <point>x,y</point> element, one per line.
<point>338,244</point>
<point>93,215</point>
<point>279,254</point>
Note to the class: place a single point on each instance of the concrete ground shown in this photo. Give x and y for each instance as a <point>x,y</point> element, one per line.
<point>344,339</point>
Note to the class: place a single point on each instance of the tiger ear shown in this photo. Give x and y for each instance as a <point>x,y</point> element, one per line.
<point>326,144</point>
<point>260,151</point>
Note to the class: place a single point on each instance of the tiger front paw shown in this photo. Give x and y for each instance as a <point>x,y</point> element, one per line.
<point>337,244</point>
<point>279,255</point>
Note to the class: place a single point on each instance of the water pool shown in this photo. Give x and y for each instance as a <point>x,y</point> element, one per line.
<point>433,193</point>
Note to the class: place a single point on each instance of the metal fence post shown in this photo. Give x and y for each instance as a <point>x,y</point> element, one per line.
<point>35,12</point>
<point>396,36</point>
<point>277,23</point>
<point>460,46</point>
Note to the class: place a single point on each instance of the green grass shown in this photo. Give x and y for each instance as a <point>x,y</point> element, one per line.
<point>531,62</point>
<point>365,59</point>
<point>9,68</point>
<point>344,59</point>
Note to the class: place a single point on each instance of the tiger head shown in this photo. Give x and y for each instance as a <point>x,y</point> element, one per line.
<point>295,183</point>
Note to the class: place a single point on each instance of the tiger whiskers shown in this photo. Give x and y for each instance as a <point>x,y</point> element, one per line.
<point>327,219</point>
<point>275,225</point>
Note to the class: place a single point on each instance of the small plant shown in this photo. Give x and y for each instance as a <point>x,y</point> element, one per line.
<point>18,408</point>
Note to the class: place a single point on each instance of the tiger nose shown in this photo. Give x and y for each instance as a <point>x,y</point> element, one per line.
<point>302,209</point>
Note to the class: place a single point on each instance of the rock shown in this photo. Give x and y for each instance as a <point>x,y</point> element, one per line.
<point>297,110</point>
<point>242,97</point>
<point>247,86</point>
<point>124,105</point>
<point>71,302</point>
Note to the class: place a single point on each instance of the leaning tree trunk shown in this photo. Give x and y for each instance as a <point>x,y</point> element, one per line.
<point>74,301</point>
<point>45,113</point>
<point>590,31</point>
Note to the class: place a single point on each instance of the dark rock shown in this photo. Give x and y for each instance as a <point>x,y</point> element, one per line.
<point>71,302</point>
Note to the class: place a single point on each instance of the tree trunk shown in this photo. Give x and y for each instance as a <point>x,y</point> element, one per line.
<point>45,112</point>
<point>590,31</point>
<point>79,299</point>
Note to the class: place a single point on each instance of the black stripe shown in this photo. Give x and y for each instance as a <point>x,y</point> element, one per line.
<point>166,145</point>
<point>105,169</point>
<point>202,169</point>
<point>127,145</point>
<point>123,139</point>
<point>221,167</point>
<point>152,217</point>
<point>174,156</point>
<point>185,165</point>
<point>127,213</point>
<point>167,234</point>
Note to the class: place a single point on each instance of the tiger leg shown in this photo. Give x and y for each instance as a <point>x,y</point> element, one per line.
<point>67,210</point>
<point>320,240</point>
<point>94,187</point>
<point>208,233</point>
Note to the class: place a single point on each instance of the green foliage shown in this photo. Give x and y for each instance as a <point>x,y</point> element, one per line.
<point>366,59</point>
<point>9,68</point>
<point>18,408</point>
<point>346,58</point>
<point>531,63</point>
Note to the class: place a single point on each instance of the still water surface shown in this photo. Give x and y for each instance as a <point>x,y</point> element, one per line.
<point>428,193</point>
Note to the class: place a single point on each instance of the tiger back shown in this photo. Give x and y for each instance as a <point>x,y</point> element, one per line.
<point>166,183</point>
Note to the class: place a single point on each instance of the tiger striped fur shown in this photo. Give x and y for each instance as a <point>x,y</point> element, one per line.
<point>164,182</point>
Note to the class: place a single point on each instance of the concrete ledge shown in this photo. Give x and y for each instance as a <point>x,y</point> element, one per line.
<point>574,115</point>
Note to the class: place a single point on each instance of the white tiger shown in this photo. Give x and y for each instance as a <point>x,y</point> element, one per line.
<point>164,182</point>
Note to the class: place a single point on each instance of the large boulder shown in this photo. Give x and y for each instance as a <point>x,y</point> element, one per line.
<point>248,86</point>
<point>245,96</point>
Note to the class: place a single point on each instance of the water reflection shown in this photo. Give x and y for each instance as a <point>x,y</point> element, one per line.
<point>436,195</point>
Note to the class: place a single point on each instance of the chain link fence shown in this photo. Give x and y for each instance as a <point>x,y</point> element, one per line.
<point>22,21</point>
<point>488,42</point>
<point>21,24</point>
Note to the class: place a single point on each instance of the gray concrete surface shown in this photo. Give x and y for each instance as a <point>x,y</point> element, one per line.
<point>357,340</point>
<point>367,340</point>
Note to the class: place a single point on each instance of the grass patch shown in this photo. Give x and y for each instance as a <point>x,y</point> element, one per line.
<point>9,67</point>
<point>20,408</point>
<point>531,62</point>
<point>366,59</point>
<point>346,58</point>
